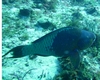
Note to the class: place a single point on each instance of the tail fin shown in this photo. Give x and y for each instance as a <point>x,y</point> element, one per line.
<point>17,52</point>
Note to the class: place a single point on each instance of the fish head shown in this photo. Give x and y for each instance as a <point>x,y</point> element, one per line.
<point>86,39</point>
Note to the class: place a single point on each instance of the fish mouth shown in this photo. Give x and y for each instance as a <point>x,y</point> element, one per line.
<point>94,40</point>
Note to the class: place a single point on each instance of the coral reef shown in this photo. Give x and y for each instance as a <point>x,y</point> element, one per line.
<point>24,21</point>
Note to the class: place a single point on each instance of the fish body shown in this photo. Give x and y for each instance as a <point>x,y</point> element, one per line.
<point>67,41</point>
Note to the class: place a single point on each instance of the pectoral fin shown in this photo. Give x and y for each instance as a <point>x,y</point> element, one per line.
<point>75,58</point>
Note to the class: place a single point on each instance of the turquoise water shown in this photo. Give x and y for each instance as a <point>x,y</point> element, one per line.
<point>24,21</point>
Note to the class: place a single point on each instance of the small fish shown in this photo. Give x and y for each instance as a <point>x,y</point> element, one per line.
<point>67,41</point>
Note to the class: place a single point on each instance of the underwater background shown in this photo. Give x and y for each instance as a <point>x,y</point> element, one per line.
<point>24,21</point>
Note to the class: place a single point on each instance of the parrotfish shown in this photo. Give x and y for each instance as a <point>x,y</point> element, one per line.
<point>63,42</point>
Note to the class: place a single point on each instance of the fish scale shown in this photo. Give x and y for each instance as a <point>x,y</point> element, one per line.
<point>44,44</point>
<point>67,41</point>
<point>40,47</point>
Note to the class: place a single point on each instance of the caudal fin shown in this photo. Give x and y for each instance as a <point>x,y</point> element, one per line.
<point>16,52</point>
